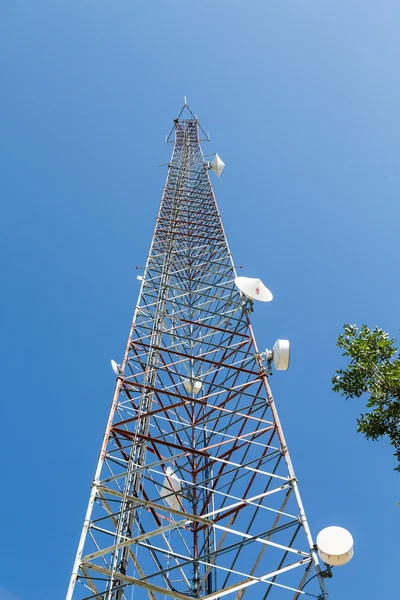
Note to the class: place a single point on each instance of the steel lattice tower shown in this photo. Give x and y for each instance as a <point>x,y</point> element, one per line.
<point>194,493</point>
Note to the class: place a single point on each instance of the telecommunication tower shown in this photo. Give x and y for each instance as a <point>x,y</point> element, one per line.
<point>194,495</point>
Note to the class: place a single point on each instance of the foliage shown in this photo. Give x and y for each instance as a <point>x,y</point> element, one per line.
<point>374,370</point>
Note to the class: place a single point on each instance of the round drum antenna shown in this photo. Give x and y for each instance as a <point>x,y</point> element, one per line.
<point>335,546</point>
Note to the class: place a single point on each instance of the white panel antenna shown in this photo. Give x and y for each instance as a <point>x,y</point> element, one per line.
<point>171,487</point>
<point>254,289</point>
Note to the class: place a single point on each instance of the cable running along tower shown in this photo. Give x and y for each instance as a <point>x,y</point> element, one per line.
<point>194,494</point>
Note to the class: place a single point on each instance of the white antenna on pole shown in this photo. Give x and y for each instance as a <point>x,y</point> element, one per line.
<point>335,546</point>
<point>217,165</point>
<point>116,368</point>
<point>170,488</point>
<point>279,355</point>
<point>192,386</point>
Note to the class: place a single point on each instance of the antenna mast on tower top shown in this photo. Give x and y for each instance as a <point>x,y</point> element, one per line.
<point>194,495</point>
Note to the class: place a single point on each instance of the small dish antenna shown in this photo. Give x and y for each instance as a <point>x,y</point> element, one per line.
<point>139,277</point>
<point>116,368</point>
<point>171,487</point>
<point>217,165</point>
<point>335,546</point>
<point>192,386</point>
<point>279,355</point>
<point>253,289</point>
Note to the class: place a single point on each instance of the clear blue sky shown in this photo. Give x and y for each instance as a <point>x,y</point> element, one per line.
<point>302,103</point>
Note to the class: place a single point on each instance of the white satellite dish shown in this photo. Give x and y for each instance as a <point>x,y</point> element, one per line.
<point>171,487</point>
<point>280,355</point>
<point>217,165</point>
<point>335,546</point>
<point>192,386</point>
<point>116,368</point>
<point>139,277</point>
<point>253,289</point>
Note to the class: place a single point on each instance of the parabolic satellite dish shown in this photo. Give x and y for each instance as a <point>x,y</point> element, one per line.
<point>171,487</point>
<point>116,368</point>
<point>253,289</point>
<point>335,546</point>
<point>217,165</point>
<point>192,386</point>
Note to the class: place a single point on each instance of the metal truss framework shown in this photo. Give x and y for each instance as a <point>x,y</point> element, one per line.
<point>194,493</point>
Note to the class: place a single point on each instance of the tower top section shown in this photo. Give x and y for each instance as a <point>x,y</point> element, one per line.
<point>185,119</point>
